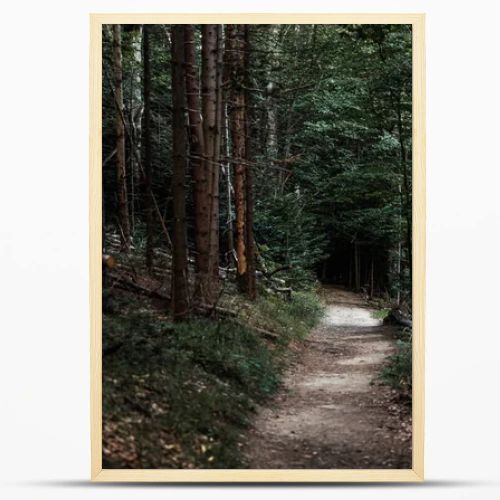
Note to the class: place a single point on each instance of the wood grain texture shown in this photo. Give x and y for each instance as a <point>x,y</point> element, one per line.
<point>257,475</point>
<point>95,241</point>
<point>419,248</point>
<point>253,18</point>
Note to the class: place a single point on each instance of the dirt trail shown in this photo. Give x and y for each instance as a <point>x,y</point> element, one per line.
<point>331,412</point>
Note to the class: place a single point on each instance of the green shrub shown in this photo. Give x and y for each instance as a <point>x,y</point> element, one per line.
<point>381,313</point>
<point>398,372</point>
<point>192,385</point>
<point>306,306</point>
<point>291,318</point>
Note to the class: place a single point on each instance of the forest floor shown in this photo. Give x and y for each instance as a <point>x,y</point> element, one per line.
<point>332,411</point>
<point>180,395</point>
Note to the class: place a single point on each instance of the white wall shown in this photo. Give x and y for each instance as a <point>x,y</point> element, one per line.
<point>44,365</point>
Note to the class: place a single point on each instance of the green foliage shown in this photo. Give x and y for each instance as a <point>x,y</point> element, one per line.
<point>339,166</point>
<point>305,307</point>
<point>398,372</point>
<point>381,313</point>
<point>291,318</point>
<point>335,173</point>
<point>195,381</point>
<point>291,234</point>
<point>229,351</point>
<point>345,130</point>
<point>160,120</point>
<point>191,386</point>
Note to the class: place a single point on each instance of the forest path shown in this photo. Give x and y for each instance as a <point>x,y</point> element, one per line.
<point>331,412</point>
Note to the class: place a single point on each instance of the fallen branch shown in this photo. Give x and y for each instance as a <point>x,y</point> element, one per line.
<point>207,309</point>
<point>200,308</point>
<point>136,287</point>
<point>279,270</point>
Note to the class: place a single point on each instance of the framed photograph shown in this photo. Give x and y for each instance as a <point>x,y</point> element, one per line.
<point>257,247</point>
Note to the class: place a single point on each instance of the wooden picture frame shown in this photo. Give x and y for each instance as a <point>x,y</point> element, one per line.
<point>416,473</point>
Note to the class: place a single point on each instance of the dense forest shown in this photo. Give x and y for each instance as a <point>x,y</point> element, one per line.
<point>243,166</point>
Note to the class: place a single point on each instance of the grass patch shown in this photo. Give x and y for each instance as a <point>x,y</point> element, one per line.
<point>180,395</point>
<point>292,318</point>
<point>381,313</point>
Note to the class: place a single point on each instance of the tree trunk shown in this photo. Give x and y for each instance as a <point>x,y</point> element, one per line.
<point>198,163</point>
<point>350,272</point>
<point>398,262</point>
<point>211,102</point>
<point>251,285</point>
<point>229,191</point>
<point>180,303</point>
<point>407,189</point>
<point>146,157</point>
<point>272,124</point>
<point>357,278</point>
<point>270,103</point>
<point>237,117</point>
<point>371,279</point>
<point>214,239</point>
<point>121,175</point>
<point>136,111</point>
<point>226,71</point>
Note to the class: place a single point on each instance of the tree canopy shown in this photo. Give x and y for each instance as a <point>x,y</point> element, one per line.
<point>316,119</point>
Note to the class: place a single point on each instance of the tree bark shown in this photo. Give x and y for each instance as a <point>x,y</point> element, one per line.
<point>136,111</point>
<point>121,175</point>
<point>209,92</point>
<point>180,302</point>
<point>271,105</point>
<point>407,189</point>
<point>371,278</point>
<point>398,251</point>
<point>215,253</point>
<point>226,71</point>
<point>146,139</point>
<point>237,117</point>
<point>211,105</point>
<point>250,277</point>
<point>357,277</point>
<point>229,191</point>
<point>199,168</point>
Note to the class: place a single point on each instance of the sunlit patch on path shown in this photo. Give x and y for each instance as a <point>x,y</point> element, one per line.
<point>340,315</point>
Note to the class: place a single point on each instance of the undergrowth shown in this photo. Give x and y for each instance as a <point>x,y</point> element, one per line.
<point>180,395</point>
<point>292,318</point>
<point>398,372</point>
<point>381,313</point>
